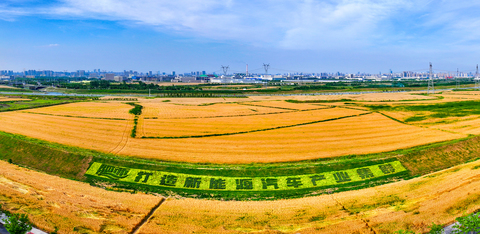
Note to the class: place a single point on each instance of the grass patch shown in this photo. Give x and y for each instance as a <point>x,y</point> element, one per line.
<point>137,109</point>
<point>416,118</point>
<point>40,156</point>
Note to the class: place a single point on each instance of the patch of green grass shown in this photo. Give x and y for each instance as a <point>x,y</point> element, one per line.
<point>415,118</point>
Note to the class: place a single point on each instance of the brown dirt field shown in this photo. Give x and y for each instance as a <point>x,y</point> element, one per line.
<point>173,111</point>
<point>221,125</point>
<point>88,109</point>
<point>51,201</point>
<point>412,204</point>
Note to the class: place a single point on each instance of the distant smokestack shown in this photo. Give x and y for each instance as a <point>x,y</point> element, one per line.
<point>247,70</point>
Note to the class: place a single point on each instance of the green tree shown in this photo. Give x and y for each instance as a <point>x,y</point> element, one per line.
<point>18,224</point>
<point>467,224</point>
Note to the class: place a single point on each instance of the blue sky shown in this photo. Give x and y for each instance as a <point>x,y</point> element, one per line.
<point>196,35</point>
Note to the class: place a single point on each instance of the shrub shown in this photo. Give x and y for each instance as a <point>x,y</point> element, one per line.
<point>436,229</point>
<point>18,224</point>
<point>467,224</point>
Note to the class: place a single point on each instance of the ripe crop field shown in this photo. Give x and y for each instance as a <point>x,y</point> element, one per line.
<point>258,148</point>
<point>366,134</point>
<point>98,134</point>
<point>229,125</point>
<point>110,110</point>
<point>369,133</point>
<point>283,105</point>
<point>73,207</point>
<point>412,205</point>
<point>11,99</point>
<point>161,110</point>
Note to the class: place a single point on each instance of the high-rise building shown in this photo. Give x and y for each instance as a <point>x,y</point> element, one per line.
<point>109,76</point>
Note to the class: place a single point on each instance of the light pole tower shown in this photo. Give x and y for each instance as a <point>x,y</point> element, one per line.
<point>266,66</point>
<point>431,88</point>
<point>225,69</point>
<point>457,81</point>
<point>477,79</point>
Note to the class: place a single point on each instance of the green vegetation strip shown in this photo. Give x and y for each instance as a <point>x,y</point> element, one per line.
<point>199,182</point>
<point>439,110</point>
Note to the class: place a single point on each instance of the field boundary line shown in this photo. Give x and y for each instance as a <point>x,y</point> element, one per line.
<point>147,217</point>
<point>356,214</point>
<point>258,130</point>
<point>274,107</point>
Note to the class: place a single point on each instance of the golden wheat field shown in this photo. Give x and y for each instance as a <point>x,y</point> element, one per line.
<point>227,125</point>
<point>161,110</point>
<point>105,110</point>
<point>12,99</point>
<point>366,134</point>
<point>414,204</point>
<point>283,105</point>
<point>73,207</point>
<point>370,133</point>
<point>98,134</point>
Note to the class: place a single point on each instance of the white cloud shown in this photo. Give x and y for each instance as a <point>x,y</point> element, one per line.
<point>290,24</point>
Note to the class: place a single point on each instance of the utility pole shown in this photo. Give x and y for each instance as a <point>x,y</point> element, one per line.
<point>457,86</point>
<point>225,69</point>
<point>477,82</point>
<point>266,66</point>
<point>431,88</point>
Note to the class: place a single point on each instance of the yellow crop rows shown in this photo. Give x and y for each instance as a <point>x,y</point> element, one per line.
<point>225,125</point>
<point>369,133</point>
<point>414,204</point>
<point>97,134</point>
<point>172,111</point>
<point>88,109</point>
<point>52,202</point>
<point>356,135</point>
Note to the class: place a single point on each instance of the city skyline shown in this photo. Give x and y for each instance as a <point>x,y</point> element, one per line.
<point>294,36</point>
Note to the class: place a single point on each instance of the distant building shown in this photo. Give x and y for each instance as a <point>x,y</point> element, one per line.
<point>119,78</point>
<point>109,76</point>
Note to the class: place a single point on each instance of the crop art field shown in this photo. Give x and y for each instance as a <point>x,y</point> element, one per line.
<point>308,164</point>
